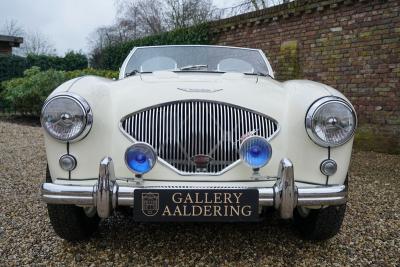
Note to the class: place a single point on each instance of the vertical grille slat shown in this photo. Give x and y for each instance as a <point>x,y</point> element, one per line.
<point>225,132</point>
<point>213,111</point>
<point>180,130</point>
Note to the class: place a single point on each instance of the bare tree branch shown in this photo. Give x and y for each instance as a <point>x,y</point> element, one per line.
<point>254,2</point>
<point>38,44</point>
<point>11,27</point>
<point>243,6</point>
<point>139,18</point>
<point>34,42</point>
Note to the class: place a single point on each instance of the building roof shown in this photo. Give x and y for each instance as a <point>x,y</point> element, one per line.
<point>12,40</point>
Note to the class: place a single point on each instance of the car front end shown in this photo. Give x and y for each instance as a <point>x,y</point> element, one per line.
<point>197,145</point>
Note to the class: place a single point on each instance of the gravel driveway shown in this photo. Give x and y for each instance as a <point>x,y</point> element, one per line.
<point>370,234</point>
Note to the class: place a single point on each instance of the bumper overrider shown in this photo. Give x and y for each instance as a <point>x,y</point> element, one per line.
<point>107,195</point>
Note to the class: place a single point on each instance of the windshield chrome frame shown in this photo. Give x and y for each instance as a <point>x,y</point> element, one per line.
<point>125,63</point>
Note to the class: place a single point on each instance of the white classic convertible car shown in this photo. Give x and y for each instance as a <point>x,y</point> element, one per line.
<point>196,133</point>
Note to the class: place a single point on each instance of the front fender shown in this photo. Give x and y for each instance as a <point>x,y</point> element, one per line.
<point>304,153</point>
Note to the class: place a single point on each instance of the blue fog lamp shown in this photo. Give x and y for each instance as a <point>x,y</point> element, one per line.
<point>255,151</point>
<point>140,158</point>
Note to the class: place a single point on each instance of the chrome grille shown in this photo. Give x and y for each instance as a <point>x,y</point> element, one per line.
<point>180,130</point>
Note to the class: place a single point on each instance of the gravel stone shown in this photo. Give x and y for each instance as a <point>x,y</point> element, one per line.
<point>370,234</point>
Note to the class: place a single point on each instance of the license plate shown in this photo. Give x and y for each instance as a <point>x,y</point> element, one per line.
<point>158,205</point>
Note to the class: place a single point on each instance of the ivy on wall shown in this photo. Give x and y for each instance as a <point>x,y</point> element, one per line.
<point>288,66</point>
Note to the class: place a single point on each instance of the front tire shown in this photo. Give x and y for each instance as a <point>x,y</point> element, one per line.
<point>319,224</point>
<point>71,222</point>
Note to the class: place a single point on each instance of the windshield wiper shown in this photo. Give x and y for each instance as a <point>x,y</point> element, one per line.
<point>259,73</point>
<point>131,73</point>
<point>193,67</point>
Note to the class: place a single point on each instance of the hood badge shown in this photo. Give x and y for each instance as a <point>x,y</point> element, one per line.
<point>201,162</point>
<point>200,90</point>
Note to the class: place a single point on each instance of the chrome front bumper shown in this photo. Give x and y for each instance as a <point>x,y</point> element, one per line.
<point>107,195</point>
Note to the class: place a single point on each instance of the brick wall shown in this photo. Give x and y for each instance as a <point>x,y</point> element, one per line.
<point>352,45</point>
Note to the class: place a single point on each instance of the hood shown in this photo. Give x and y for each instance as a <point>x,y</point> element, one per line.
<point>141,91</point>
<point>262,94</point>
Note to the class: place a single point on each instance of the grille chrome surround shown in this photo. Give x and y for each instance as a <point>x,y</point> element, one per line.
<point>196,127</point>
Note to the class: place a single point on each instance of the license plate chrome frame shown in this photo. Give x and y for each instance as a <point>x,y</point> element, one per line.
<point>196,205</point>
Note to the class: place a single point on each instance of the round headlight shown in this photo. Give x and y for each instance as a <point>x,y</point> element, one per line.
<point>66,117</point>
<point>140,158</point>
<point>255,151</point>
<point>330,122</point>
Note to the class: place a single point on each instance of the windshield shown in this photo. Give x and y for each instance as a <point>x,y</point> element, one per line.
<point>196,58</point>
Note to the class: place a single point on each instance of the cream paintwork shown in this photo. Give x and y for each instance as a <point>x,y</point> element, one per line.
<point>286,102</point>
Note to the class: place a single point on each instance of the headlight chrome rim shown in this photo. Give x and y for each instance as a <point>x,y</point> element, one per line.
<point>152,150</point>
<point>88,116</point>
<point>310,115</point>
<point>249,139</point>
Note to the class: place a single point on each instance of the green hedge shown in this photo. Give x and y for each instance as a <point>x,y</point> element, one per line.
<point>27,94</point>
<point>112,57</point>
<point>14,66</point>
<point>71,61</point>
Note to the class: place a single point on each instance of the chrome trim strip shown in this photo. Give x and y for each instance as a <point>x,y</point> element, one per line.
<point>127,179</point>
<point>217,113</point>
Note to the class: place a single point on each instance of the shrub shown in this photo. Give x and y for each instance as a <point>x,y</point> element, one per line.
<point>103,73</point>
<point>111,57</point>
<point>27,94</point>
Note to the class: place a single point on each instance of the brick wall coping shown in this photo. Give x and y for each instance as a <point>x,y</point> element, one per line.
<point>283,11</point>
